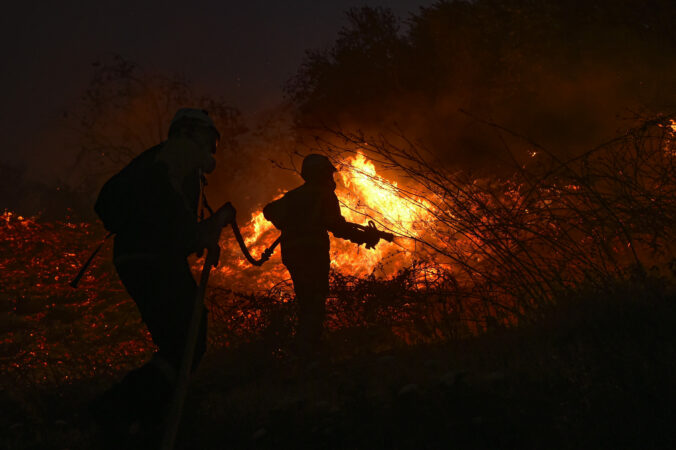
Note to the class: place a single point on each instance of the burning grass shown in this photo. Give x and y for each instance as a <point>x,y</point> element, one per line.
<point>471,255</point>
<point>53,334</point>
<point>49,331</point>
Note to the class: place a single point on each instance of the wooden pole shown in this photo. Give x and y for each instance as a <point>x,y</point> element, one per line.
<point>176,407</point>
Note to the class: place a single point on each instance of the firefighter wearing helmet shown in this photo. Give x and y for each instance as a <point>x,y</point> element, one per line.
<point>305,215</point>
<point>151,206</point>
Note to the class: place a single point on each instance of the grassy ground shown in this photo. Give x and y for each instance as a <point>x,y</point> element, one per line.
<point>595,373</point>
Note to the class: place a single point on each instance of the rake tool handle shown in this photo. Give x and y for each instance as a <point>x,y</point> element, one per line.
<point>176,407</point>
<point>86,265</point>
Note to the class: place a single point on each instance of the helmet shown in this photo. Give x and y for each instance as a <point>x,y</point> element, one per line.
<point>197,116</point>
<point>316,167</point>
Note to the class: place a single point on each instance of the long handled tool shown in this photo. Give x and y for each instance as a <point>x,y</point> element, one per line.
<point>85,266</point>
<point>176,407</point>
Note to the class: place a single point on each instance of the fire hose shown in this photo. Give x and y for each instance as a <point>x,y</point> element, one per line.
<point>265,256</point>
<point>242,245</point>
<point>240,240</point>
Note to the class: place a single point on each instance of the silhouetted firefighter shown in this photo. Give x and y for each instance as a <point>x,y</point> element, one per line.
<point>152,206</point>
<point>304,215</point>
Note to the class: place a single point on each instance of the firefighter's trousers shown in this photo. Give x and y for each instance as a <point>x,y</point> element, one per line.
<point>310,274</point>
<point>164,291</point>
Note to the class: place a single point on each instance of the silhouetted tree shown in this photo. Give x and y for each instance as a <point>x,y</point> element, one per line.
<point>359,69</point>
<point>126,110</point>
<point>562,73</point>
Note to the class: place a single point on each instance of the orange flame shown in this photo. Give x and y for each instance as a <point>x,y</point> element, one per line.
<point>364,194</point>
<point>670,144</point>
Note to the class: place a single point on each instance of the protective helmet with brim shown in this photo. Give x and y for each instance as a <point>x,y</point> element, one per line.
<point>316,167</point>
<point>194,116</point>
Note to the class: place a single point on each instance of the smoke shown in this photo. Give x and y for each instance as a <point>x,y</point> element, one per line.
<point>567,76</point>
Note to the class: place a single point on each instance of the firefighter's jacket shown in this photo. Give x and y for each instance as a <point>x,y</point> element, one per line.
<point>163,222</point>
<point>305,215</point>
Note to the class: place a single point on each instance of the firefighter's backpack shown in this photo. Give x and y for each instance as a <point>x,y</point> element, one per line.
<point>115,204</point>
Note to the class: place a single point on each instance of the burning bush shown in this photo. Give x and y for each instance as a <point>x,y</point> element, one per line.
<point>519,243</point>
<point>470,254</point>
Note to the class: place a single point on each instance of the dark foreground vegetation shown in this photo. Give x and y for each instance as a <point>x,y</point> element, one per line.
<point>596,372</point>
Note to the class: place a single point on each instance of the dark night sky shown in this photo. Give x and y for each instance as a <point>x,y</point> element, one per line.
<point>243,51</point>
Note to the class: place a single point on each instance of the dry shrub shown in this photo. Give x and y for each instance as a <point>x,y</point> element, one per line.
<point>515,245</point>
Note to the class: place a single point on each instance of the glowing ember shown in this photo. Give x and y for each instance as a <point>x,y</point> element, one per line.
<point>670,144</point>
<point>48,324</point>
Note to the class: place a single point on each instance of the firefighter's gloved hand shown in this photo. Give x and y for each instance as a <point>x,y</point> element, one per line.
<point>225,214</point>
<point>362,237</point>
<point>371,241</point>
<point>210,231</point>
<point>213,255</point>
<point>208,240</point>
